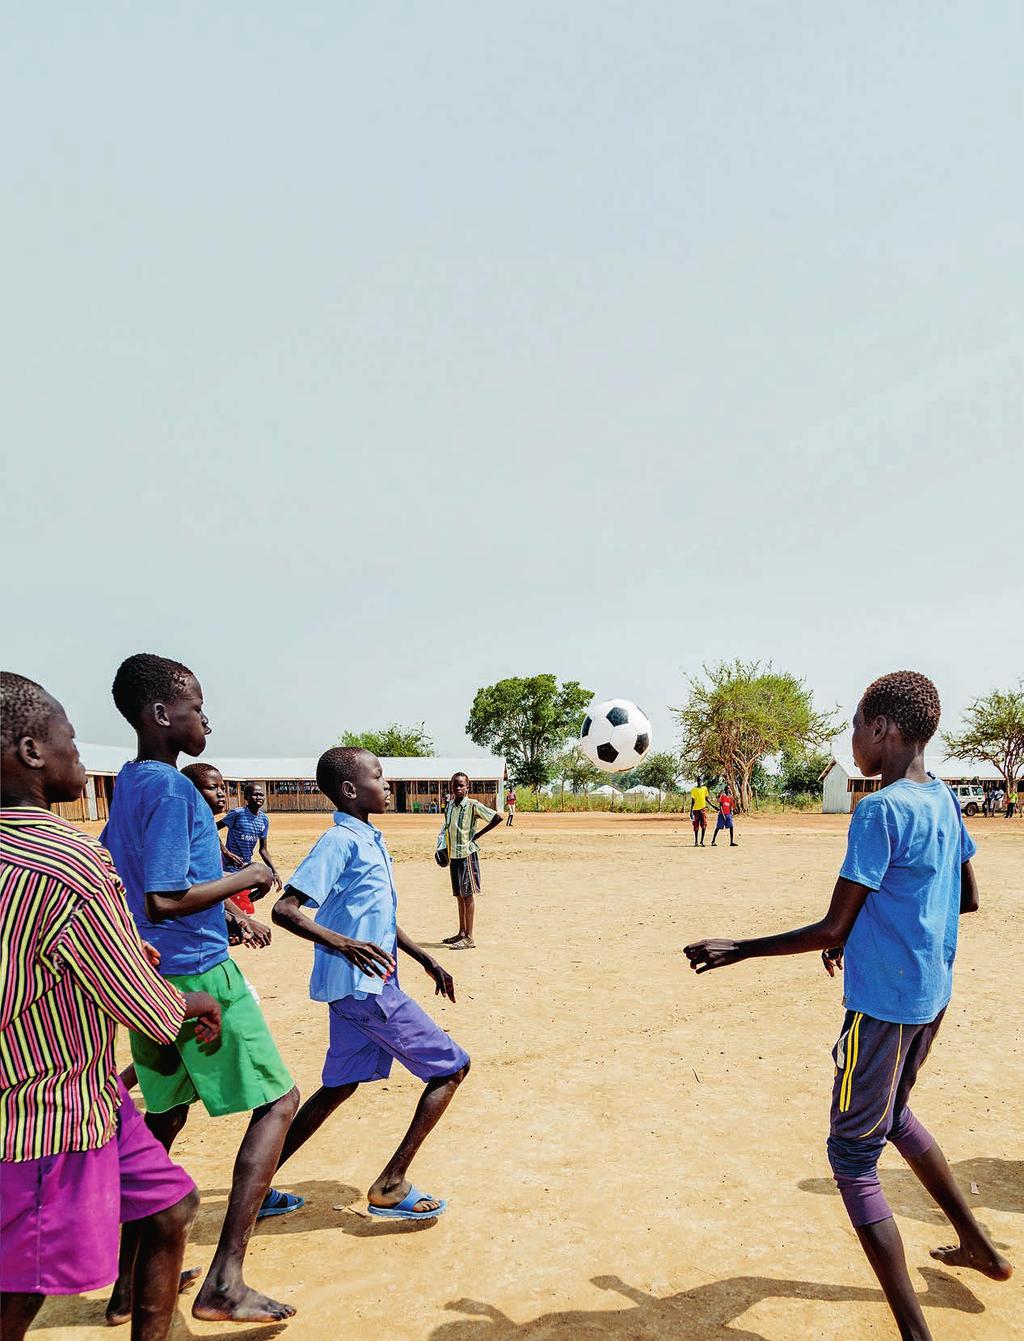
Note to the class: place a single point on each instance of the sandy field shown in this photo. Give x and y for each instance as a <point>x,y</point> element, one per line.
<point>638,1153</point>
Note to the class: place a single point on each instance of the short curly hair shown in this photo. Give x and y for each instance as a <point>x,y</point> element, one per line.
<point>198,773</point>
<point>907,698</point>
<point>338,765</point>
<point>144,679</point>
<point>26,709</point>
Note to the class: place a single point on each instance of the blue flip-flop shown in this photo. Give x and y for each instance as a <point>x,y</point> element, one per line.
<point>279,1203</point>
<point>404,1209</point>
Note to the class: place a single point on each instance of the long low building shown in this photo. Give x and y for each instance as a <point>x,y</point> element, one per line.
<point>418,786</point>
<point>844,786</point>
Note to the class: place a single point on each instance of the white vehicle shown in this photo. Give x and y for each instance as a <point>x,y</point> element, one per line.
<point>971,797</point>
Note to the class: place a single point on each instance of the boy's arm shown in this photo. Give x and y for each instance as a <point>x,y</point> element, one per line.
<point>368,958</point>
<point>444,985</point>
<point>232,858</point>
<point>267,860</point>
<point>832,930</point>
<point>162,904</point>
<point>968,889</point>
<point>492,823</point>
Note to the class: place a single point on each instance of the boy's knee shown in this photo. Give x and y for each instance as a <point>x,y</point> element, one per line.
<point>176,1220</point>
<point>853,1159</point>
<point>289,1103</point>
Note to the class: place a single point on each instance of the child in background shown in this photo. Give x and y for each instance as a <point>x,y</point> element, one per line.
<point>75,1155</point>
<point>347,882</point>
<point>894,914</point>
<point>724,821</point>
<point>243,929</point>
<point>246,827</point>
<point>164,842</point>
<point>699,795</point>
<point>457,849</point>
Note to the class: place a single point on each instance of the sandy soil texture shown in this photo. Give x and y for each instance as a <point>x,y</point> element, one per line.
<point>638,1153</point>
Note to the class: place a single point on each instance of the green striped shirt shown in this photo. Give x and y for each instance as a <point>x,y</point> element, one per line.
<point>460,821</point>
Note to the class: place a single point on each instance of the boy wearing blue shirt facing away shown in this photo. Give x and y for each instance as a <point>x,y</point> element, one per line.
<point>163,839</point>
<point>348,883</point>
<point>894,918</point>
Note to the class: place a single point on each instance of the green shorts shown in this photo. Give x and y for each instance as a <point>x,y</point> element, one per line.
<point>243,1070</point>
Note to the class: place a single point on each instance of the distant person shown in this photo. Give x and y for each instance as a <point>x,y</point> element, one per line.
<point>164,842</point>
<point>457,849</point>
<point>248,826</point>
<point>998,800</point>
<point>894,915</point>
<point>1011,803</point>
<point>76,1157</point>
<point>724,820</point>
<point>346,882</point>
<point>510,806</point>
<point>699,795</point>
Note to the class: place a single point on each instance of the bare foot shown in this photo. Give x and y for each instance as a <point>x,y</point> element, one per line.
<point>392,1196</point>
<point>983,1258</point>
<point>119,1306</point>
<point>240,1304</point>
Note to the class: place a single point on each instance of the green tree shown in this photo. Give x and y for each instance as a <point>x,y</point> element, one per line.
<point>993,729</point>
<point>574,769</point>
<point>660,770</point>
<point>741,712</point>
<point>392,742</point>
<point>801,771</point>
<point>527,719</point>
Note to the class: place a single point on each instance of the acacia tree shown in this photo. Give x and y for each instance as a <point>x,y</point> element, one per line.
<point>739,713</point>
<point>392,742</point>
<point>527,719</point>
<point>993,730</point>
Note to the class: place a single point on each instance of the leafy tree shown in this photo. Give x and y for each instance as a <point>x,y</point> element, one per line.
<point>993,730</point>
<point>659,769</point>
<point>801,771</point>
<point>574,769</point>
<point>741,712</point>
<point>393,742</point>
<point>527,719</point>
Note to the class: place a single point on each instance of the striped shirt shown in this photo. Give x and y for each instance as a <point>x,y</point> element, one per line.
<point>72,968</point>
<point>459,822</point>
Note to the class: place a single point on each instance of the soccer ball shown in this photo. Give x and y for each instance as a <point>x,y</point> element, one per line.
<point>615,735</point>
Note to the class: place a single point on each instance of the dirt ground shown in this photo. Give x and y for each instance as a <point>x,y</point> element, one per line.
<point>638,1153</point>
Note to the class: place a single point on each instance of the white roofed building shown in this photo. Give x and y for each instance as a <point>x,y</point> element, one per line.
<point>417,785</point>
<point>844,785</point>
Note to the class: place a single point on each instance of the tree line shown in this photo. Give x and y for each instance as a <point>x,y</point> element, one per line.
<point>738,716</point>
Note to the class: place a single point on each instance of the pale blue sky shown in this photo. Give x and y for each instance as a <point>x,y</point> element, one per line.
<point>361,355</point>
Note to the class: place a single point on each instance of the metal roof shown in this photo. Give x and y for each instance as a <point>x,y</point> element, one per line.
<point>949,770</point>
<point>109,759</point>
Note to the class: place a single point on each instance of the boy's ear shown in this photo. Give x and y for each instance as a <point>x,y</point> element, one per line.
<point>348,790</point>
<point>28,753</point>
<point>159,711</point>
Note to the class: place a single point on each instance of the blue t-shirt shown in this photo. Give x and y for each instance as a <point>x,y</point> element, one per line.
<point>245,830</point>
<point>162,837</point>
<point>347,876</point>
<point>907,843</point>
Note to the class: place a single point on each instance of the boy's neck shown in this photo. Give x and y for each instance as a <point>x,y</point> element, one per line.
<point>255,810</point>
<point>156,749</point>
<point>352,808</point>
<point>20,798</point>
<point>904,763</point>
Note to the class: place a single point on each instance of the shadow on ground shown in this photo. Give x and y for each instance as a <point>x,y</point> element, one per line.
<point>1000,1184</point>
<point>701,1314</point>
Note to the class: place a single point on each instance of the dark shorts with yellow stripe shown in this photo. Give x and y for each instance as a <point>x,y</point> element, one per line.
<point>876,1066</point>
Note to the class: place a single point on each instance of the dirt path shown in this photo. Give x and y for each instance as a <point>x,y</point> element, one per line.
<point>637,1153</point>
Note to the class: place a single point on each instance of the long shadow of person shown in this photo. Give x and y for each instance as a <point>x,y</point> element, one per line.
<point>1000,1184</point>
<point>700,1314</point>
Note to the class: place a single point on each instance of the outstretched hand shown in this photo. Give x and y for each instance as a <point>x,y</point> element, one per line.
<point>706,955</point>
<point>444,983</point>
<point>832,959</point>
<point>366,957</point>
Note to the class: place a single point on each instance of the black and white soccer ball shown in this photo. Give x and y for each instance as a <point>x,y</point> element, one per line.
<point>615,735</point>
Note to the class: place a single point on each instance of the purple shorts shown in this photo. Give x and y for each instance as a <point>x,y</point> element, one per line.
<point>366,1036</point>
<point>60,1215</point>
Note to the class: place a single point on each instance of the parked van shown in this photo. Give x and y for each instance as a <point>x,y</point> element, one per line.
<point>971,797</point>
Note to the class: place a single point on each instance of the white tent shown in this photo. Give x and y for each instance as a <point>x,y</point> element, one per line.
<point>605,790</point>
<point>652,793</point>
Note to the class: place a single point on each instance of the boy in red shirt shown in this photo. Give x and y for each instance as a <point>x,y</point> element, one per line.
<point>724,821</point>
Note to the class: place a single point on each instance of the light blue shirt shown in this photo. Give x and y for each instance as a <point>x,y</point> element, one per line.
<point>162,837</point>
<point>348,878</point>
<point>907,843</point>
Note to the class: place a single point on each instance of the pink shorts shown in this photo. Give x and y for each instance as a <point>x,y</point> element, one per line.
<point>60,1215</point>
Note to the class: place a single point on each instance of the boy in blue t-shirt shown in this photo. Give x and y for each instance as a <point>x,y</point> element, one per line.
<point>248,826</point>
<point>347,883</point>
<point>163,839</point>
<point>894,917</point>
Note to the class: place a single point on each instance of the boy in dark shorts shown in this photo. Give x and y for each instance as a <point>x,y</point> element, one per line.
<point>894,914</point>
<point>699,796</point>
<point>248,826</point>
<point>457,849</point>
<point>724,820</point>
<point>75,1155</point>
<point>348,884</point>
<point>164,842</point>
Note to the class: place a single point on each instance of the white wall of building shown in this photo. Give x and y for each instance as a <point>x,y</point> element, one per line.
<point>836,798</point>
